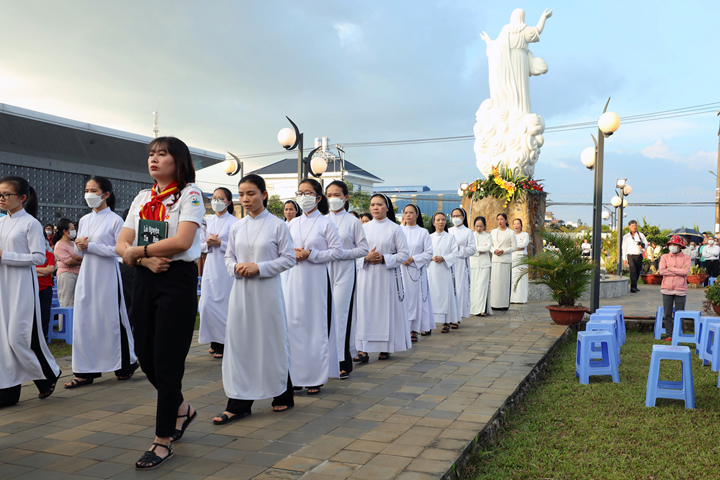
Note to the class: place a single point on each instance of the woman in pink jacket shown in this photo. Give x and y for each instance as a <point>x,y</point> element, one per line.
<point>674,268</point>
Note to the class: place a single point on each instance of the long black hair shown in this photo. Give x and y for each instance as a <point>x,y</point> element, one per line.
<point>258,181</point>
<point>228,195</point>
<point>363,215</point>
<point>418,212</point>
<point>295,205</point>
<point>323,206</point>
<point>480,217</point>
<point>432,228</point>
<point>504,215</point>
<point>106,186</point>
<point>343,186</point>
<point>463,214</point>
<point>388,203</point>
<point>22,187</point>
<point>62,225</point>
<point>519,220</point>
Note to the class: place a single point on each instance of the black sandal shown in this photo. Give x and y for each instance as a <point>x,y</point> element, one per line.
<point>426,334</point>
<point>446,328</point>
<point>44,395</point>
<point>316,392</point>
<point>218,355</point>
<point>179,433</point>
<point>361,358</point>
<point>413,336</point>
<point>384,356</point>
<point>226,419</point>
<point>344,375</point>
<point>454,326</point>
<point>150,459</point>
<point>287,407</point>
<point>75,383</point>
<point>130,375</point>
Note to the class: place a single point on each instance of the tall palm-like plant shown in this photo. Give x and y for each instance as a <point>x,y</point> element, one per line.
<point>565,271</point>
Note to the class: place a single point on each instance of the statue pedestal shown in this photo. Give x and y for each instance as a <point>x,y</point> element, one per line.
<point>530,208</point>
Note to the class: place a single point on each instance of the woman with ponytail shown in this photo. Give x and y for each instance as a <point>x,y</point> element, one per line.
<point>343,274</point>
<point>216,282</point>
<point>24,355</point>
<point>311,317</point>
<point>164,303</point>
<point>382,313</point>
<point>102,338</point>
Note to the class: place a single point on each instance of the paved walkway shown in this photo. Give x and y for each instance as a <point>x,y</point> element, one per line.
<point>410,417</point>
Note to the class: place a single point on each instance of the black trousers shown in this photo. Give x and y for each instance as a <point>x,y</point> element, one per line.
<point>668,318</point>
<point>125,367</point>
<point>45,308</point>
<point>713,267</point>
<point>345,321</point>
<point>164,306</point>
<point>218,347</point>
<point>238,407</point>
<point>635,264</point>
<point>127,274</point>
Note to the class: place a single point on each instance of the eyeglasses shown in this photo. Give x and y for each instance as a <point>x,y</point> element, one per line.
<point>305,194</point>
<point>3,196</point>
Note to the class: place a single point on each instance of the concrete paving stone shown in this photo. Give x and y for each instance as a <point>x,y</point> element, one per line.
<point>15,427</point>
<point>439,454</point>
<point>347,432</point>
<point>247,444</point>
<point>281,448</point>
<point>267,434</point>
<point>262,459</point>
<point>335,470</point>
<point>13,471</point>
<point>40,474</point>
<point>394,462</point>
<point>317,451</point>
<point>105,469</point>
<point>394,402</point>
<point>298,464</point>
<point>372,416</point>
<point>299,438</point>
<point>100,438</point>
<point>202,466</point>
<point>367,446</point>
<point>416,440</point>
<point>343,412</point>
<point>403,419</point>
<point>425,431</point>
<point>130,443</point>
<point>407,475</point>
<point>374,472</point>
<point>175,475</point>
<point>317,428</point>
<point>352,456</point>
<point>402,450</point>
<point>436,467</point>
<point>278,474</point>
<point>235,430</point>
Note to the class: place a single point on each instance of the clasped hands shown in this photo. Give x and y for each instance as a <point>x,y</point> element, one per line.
<point>82,243</point>
<point>302,254</point>
<point>133,257</point>
<point>213,240</point>
<point>246,269</point>
<point>373,258</point>
<point>499,252</point>
<point>437,259</point>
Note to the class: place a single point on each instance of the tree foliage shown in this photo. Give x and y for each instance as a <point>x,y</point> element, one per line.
<point>359,200</point>
<point>276,206</point>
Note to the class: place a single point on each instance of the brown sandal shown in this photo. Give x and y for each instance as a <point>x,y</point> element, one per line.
<point>446,328</point>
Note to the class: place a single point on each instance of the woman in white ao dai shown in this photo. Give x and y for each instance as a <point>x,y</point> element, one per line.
<point>466,248</point>
<point>414,270</point>
<point>519,293</point>
<point>480,266</point>
<point>443,284</point>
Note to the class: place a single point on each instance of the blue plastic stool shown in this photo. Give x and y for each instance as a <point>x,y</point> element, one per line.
<point>677,335</point>
<point>708,339</point>
<point>621,319</point>
<point>711,280</point>
<point>682,390</point>
<point>702,336</point>
<point>714,332</point>
<point>659,329</point>
<point>609,316</point>
<point>65,333</point>
<point>585,367</point>
<point>600,326</point>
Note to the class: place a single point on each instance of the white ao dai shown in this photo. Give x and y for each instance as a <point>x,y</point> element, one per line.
<point>466,248</point>
<point>415,277</point>
<point>443,284</point>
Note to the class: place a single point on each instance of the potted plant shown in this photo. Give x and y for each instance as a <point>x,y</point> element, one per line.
<point>652,278</point>
<point>697,275</point>
<point>566,272</point>
<point>712,295</point>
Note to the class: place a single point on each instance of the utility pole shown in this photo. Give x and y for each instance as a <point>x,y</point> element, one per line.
<point>156,127</point>
<point>717,189</point>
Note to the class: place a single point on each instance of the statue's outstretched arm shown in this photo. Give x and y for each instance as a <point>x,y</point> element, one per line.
<point>541,24</point>
<point>485,37</point>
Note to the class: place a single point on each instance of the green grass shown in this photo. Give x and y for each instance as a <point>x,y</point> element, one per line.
<point>603,430</point>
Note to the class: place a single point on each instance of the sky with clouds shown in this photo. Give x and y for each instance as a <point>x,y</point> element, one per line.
<point>224,74</point>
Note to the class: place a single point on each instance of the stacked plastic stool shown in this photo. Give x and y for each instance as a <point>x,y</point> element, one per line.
<point>658,330</point>
<point>618,309</point>
<point>682,390</point>
<point>708,340</point>
<point>585,366</point>
<point>677,335</point>
<point>711,280</point>
<point>607,325</point>
<point>64,333</point>
<point>714,332</point>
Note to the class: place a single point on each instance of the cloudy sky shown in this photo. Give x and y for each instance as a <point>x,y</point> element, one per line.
<point>223,75</point>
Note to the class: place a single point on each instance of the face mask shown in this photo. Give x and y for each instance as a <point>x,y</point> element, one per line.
<point>306,203</point>
<point>93,200</point>
<point>710,242</point>
<point>72,234</point>
<point>218,205</point>
<point>336,204</point>
<point>48,233</point>
<point>674,249</point>
<point>457,221</point>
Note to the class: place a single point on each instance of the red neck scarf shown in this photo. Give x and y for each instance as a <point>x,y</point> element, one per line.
<point>154,209</point>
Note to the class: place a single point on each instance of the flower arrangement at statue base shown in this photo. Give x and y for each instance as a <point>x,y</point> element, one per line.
<point>517,196</point>
<point>503,184</point>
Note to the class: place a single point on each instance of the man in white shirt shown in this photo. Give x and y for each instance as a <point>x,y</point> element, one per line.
<point>633,245</point>
<point>586,248</point>
<point>711,252</point>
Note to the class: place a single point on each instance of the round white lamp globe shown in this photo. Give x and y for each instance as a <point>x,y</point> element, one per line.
<point>587,157</point>
<point>609,122</point>
<point>318,165</point>
<point>627,189</point>
<point>625,203</point>
<point>605,215</point>
<point>286,137</point>
<point>615,201</point>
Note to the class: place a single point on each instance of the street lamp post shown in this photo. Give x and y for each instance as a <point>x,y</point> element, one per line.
<point>620,202</point>
<point>232,167</point>
<point>592,158</point>
<point>290,138</point>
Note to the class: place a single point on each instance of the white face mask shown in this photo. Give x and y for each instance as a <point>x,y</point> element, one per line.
<point>336,204</point>
<point>93,200</point>
<point>306,203</point>
<point>218,205</point>
<point>72,234</point>
<point>48,233</point>
<point>674,249</point>
<point>710,242</point>
<point>457,221</point>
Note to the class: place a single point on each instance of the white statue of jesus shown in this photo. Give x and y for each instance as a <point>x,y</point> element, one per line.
<point>507,133</point>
